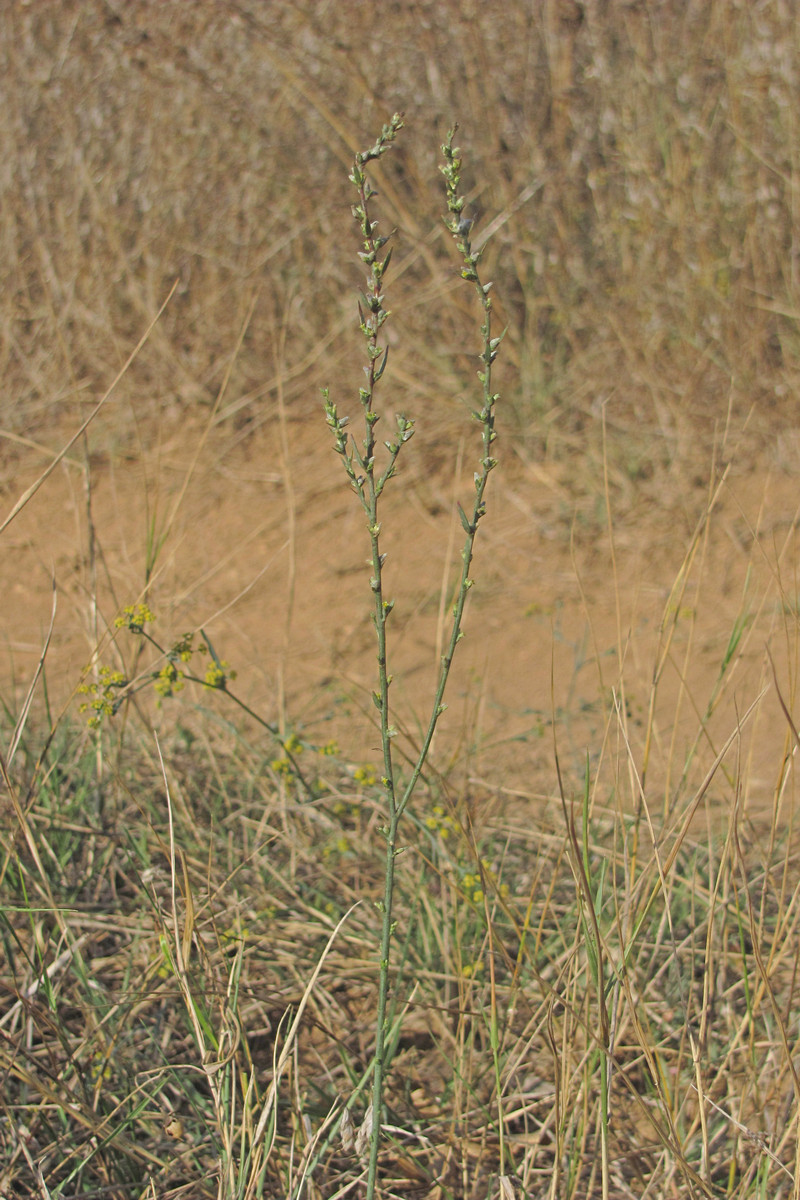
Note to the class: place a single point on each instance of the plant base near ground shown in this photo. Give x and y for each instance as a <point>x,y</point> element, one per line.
<point>103,1088</point>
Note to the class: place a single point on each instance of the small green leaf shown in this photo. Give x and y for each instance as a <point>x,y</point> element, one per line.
<point>380,369</point>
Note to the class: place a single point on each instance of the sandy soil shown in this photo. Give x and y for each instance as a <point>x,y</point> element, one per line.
<point>265,551</point>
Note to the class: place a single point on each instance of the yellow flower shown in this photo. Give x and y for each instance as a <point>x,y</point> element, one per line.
<point>217,675</point>
<point>184,648</point>
<point>134,617</point>
<point>169,680</point>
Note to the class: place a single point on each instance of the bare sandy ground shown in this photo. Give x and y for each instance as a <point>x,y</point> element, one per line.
<point>570,622</point>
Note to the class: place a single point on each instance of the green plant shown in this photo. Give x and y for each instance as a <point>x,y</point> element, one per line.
<point>624,1018</point>
<point>168,677</point>
<point>368,477</point>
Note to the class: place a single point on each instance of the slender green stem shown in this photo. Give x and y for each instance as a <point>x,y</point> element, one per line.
<point>368,481</point>
<point>460,227</point>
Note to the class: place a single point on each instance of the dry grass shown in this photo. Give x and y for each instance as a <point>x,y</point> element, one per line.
<point>598,990</point>
<point>643,170</point>
<point>161,932</point>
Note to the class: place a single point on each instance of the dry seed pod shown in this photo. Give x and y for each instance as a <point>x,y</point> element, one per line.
<point>173,1127</point>
<point>364,1135</point>
<point>347,1132</point>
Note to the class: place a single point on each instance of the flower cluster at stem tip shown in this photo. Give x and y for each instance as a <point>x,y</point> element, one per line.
<point>111,686</point>
<point>106,693</point>
<point>134,617</point>
<point>217,675</point>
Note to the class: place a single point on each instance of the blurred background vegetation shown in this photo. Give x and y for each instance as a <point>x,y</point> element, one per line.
<point>634,162</point>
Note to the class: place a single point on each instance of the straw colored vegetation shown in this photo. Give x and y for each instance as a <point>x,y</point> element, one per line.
<point>572,935</point>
